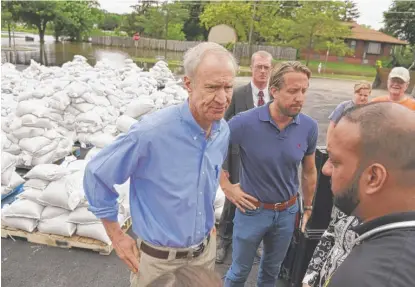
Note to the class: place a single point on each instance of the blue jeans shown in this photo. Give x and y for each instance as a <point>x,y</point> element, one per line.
<point>275,229</point>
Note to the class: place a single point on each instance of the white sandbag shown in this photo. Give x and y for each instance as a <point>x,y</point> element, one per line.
<point>77,165</point>
<point>13,149</point>
<point>57,225</point>
<point>15,181</point>
<point>81,215</point>
<point>24,208</point>
<point>43,159</point>
<point>30,120</point>
<point>34,144</point>
<point>25,224</point>
<point>125,122</point>
<point>72,110</point>
<point>15,124</point>
<point>47,148</point>
<point>8,166</point>
<point>92,98</point>
<point>52,212</point>
<point>66,192</point>
<point>89,117</point>
<point>35,107</point>
<point>219,198</point>
<point>12,138</point>
<point>59,100</point>
<point>31,194</point>
<point>83,107</point>
<point>96,230</point>
<point>139,107</point>
<point>77,89</point>
<point>91,153</point>
<point>49,172</point>
<point>101,140</point>
<point>27,132</point>
<point>123,189</point>
<point>37,183</point>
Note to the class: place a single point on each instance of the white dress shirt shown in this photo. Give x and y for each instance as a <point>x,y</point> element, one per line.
<point>255,92</point>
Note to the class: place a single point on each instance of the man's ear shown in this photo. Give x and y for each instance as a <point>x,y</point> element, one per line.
<point>187,84</point>
<point>274,92</point>
<point>374,177</point>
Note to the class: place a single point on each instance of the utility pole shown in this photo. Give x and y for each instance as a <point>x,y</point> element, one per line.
<point>166,11</point>
<point>251,29</point>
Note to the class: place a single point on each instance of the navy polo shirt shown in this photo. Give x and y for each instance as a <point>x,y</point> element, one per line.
<point>270,157</point>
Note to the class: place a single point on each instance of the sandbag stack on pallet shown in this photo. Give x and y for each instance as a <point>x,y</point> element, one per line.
<point>54,202</point>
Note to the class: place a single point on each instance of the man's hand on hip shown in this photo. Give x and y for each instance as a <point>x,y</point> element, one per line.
<point>241,199</point>
<point>126,249</point>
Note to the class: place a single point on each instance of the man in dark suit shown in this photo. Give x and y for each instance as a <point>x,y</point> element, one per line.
<point>254,94</point>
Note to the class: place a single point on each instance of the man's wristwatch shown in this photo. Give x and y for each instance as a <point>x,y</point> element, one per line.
<point>308,207</point>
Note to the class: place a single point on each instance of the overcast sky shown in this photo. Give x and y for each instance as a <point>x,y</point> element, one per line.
<point>371,11</point>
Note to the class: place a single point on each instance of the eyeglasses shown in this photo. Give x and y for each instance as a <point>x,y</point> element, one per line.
<point>260,67</point>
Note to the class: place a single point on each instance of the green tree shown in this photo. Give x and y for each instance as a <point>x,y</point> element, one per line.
<point>349,12</point>
<point>316,26</point>
<point>74,19</point>
<point>38,14</point>
<point>192,28</point>
<point>9,16</point>
<point>400,20</point>
<point>238,15</point>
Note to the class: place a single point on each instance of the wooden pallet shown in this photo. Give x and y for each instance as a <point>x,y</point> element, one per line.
<point>62,241</point>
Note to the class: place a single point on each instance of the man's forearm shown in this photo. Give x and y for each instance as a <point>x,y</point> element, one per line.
<point>309,183</point>
<point>112,228</point>
<point>224,182</point>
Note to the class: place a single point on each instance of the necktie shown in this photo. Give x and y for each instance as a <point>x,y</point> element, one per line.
<point>260,99</point>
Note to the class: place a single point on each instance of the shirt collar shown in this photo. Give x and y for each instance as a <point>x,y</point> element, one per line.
<point>265,115</point>
<point>195,129</point>
<point>255,89</point>
<point>384,220</point>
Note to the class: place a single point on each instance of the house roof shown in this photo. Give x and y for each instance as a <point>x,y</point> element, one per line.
<point>362,33</point>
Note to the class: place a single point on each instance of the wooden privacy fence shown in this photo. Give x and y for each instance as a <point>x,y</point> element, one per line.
<point>241,49</point>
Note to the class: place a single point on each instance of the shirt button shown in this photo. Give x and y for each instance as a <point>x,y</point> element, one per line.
<point>200,213</point>
<point>195,138</point>
<point>198,232</point>
<point>201,193</point>
<point>203,172</point>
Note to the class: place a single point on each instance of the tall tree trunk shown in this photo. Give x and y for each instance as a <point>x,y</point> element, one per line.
<point>309,48</point>
<point>10,35</point>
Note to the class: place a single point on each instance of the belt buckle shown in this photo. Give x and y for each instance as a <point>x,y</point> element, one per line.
<point>197,250</point>
<point>279,205</point>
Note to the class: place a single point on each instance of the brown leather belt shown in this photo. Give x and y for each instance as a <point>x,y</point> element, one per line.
<point>281,206</point>
<point>164,254</point>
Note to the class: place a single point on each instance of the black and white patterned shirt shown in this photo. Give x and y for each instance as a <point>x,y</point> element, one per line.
<point>334,246</point>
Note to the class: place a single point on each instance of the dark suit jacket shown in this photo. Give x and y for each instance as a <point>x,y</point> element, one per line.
<point>242,100</point>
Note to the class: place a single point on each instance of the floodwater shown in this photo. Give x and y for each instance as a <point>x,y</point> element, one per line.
<point>58,53</point>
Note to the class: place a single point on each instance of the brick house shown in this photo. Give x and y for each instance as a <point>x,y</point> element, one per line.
<point>369,46</point>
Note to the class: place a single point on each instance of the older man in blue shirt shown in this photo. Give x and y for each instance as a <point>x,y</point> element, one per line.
<point>173,159</point>
<point>274,139</point>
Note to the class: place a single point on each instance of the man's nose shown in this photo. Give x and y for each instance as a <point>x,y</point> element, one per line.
<point>327,168</point>
<point>221,96</point>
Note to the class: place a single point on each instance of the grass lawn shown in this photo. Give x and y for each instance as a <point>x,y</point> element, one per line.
<point>154,60</point>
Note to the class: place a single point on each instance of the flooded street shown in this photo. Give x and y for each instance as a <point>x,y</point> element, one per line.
<point>58,53</point>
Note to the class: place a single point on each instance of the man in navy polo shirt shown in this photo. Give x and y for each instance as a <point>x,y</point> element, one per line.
<point>274,139</point>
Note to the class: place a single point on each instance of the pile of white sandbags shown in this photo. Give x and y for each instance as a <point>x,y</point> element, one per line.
<point>79,102</point>
<point>54,202</point>
<point>10,179</point>
<point>161,72</point>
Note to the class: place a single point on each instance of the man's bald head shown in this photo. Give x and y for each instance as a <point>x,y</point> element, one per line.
<point>386,134</point>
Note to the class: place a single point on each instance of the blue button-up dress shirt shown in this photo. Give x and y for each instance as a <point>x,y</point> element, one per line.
<point>174,173</point>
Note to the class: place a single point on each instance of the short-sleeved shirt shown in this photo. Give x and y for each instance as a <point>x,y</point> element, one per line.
<point>270,157</point>
<point>407,101</point>
<point>340,109</point>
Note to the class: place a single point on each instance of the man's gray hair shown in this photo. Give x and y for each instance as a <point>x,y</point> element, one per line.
<point>387,134</point>
<point>262,54</point>
<point>194,56</point>
<point>277,76</point>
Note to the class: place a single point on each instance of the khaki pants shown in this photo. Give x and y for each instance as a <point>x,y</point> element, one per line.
<point>150,268</point>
